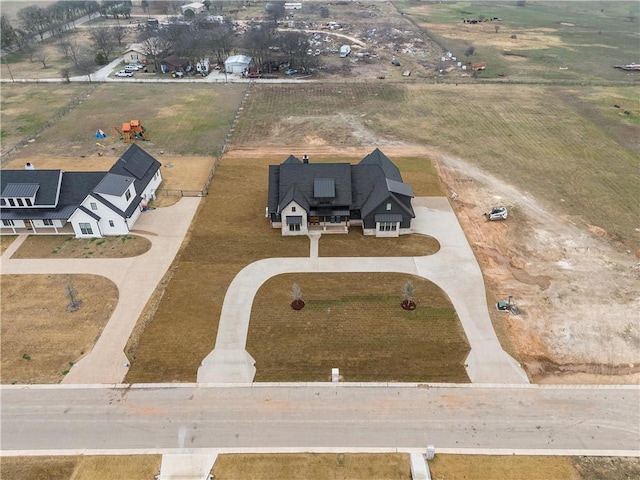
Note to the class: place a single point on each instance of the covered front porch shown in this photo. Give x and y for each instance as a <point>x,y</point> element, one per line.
<point>34,227</point>
<point>329,223</point>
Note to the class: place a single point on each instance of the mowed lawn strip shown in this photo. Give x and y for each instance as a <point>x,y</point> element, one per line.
<point>318,466</point>
<point>354,321</point>
<point>100,467</point>
<point>40,340</point>
<point>228,233</point>
<point>62,246</point>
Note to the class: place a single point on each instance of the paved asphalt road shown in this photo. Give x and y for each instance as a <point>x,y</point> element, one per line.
<point>599,419</point>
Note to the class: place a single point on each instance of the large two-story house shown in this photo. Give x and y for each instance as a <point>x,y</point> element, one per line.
<point>87,204</point>
<point>331,197</point>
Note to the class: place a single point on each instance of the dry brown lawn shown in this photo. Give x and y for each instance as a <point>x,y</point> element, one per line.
<point>218,247</point>
<point>483,467</point>
<point>5,242</point>
<point>303,466</point>
<point>353,321</point>
<point>40,339</point>
<point>62,246</point>
<point>116,467</point>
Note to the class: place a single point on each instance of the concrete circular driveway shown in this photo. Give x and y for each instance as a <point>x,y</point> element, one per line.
<point>453,268</point>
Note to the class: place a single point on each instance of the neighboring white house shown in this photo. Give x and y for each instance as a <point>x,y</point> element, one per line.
<point>195,7</point>
<point>237,63</point>
<point>88,204</point>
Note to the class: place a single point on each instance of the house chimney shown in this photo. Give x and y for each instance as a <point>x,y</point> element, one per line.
<point>305,158</point>
<point>29,166</point>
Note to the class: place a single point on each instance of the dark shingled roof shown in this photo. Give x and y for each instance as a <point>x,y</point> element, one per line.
<point>74,188</point>
<point>380,159</point>
<point>71,188</point>
<point>363,187</point>
<point>302,175</point>
<point>134,162</point>
<point>112,184</point>
<point>48,181</point>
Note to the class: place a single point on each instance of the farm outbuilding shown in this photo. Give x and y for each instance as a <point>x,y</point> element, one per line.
<point>237,63</point>
<point>193,8</point>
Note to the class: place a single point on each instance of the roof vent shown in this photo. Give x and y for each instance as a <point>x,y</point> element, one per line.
<point>29,166</point>
<point>305,158</point>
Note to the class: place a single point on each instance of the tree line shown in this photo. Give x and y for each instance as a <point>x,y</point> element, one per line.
<point>200,37</point>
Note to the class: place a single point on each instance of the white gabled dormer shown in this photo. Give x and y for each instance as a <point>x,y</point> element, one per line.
<point>294,219</point>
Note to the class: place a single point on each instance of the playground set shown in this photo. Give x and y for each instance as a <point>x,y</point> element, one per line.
<point>131,131</point>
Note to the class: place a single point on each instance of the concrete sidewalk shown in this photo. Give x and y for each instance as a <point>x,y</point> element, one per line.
<point>454,269</point>
<point>136,278</point>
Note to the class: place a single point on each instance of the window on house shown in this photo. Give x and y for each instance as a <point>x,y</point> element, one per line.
<point>388,226</point>
<point>48,222</point>
<point>28,202</point>
<point>293,209</point>
<point>294,227</point>
<point>388,206</point>
<point>94,206</point>
<point>7,223</point>
<point>85,228</point>
<point>20,202</point>
<point>127,194</point>
<point>11,202</point>
<point>134,56</point>
<point>111,224</point>
<point>3,202</point>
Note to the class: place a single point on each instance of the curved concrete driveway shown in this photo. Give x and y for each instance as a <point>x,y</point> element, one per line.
<point>454,269</point>
<point>136,278</point>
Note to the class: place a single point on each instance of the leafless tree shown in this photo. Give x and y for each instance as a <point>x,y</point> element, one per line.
<point>71,50</point>
<point>43,57</point>
<point>153,46</point>
<point>74,303</point>
<point>86,65</point>
<point>119,33</point>
<point>103,40</point>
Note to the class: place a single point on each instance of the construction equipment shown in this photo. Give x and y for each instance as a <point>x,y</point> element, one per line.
<point>131,131</point>
<point>508,306</point>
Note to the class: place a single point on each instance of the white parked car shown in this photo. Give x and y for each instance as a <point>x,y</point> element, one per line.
<point>124,73</point>
<point>497,213</point>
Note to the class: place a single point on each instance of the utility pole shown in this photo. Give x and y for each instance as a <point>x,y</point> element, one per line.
<point>8,69</point>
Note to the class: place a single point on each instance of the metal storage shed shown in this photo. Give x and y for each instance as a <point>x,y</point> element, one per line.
<point>237,63</point>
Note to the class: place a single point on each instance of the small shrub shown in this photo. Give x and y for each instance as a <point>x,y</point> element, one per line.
<point>26,357</point>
